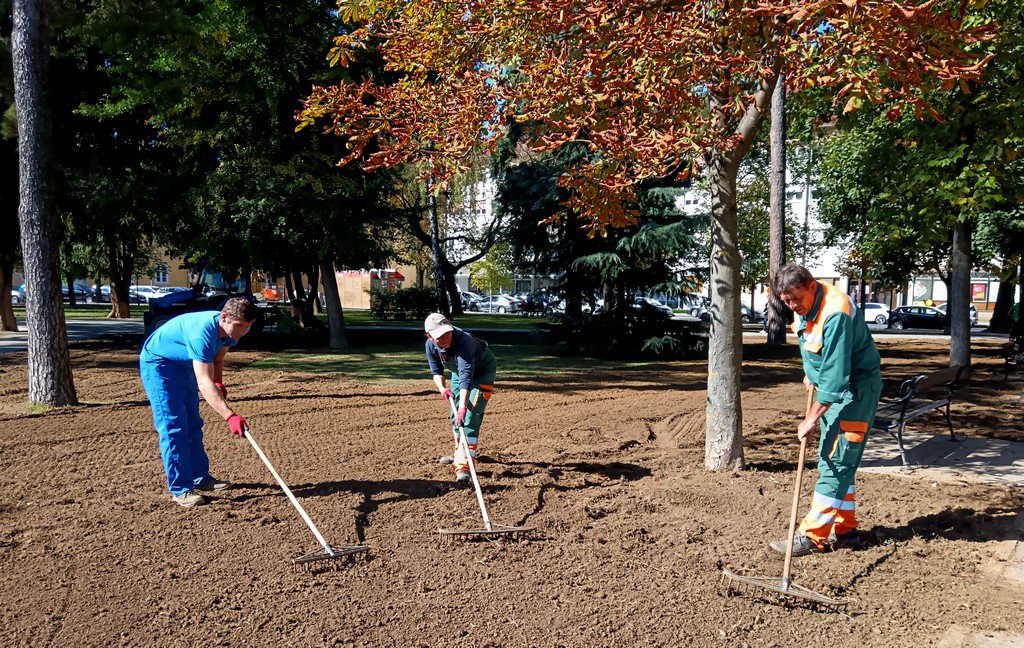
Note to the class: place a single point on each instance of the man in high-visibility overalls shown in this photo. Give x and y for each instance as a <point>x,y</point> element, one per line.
<point>841,361</point>
<point>472,383</point>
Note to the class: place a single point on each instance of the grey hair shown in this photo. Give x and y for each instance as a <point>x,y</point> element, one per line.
<point>791,276</point>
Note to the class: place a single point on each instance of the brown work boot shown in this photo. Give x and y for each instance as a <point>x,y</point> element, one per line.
<point>188,499</point>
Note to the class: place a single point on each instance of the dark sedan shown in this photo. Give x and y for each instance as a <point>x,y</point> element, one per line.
<point>906,317</point>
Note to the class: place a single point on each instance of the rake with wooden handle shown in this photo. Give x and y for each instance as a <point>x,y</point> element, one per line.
<point>785,585</point>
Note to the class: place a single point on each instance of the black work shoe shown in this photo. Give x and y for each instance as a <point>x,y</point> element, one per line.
<point>848,540</point>
<point>802,545</point>
<point>212,484</point>
<point>462,477</point>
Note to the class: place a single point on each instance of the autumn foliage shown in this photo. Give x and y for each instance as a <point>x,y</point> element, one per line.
<point>652,86</point>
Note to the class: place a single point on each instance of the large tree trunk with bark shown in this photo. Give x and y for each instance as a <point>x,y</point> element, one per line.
<point>723,444</point>
<point>335,312</point>
<point>777,311</point>
<point>960,296</point>
<point>49,364</point>
<point>1000,322</point>
<point>7,320</point>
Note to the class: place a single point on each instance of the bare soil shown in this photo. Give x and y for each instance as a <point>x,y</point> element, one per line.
<point>633,532</point>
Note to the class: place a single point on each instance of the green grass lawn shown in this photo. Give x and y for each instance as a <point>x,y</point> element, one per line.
<point>378,363</point>
<point>88,311</point>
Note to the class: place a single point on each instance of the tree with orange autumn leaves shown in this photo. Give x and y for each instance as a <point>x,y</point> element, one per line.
<point>654,87</point>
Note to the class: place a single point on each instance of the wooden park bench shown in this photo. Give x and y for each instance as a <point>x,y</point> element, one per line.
<point>917,396</point>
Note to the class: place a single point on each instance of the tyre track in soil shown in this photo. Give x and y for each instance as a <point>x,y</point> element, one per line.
<point>633,533</point>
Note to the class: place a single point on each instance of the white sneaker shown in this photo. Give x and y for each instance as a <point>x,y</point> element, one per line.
<point>188,499</point>
<point>446,460</point>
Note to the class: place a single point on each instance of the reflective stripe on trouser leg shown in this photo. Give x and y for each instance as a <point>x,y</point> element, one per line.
<point>844,430</point>
<point>479,395</point>
<point>172,395</point>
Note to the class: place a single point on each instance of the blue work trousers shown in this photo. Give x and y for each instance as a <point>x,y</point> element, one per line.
<point>174,396</point>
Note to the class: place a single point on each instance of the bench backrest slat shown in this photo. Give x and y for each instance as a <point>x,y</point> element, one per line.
<point>949,375</point>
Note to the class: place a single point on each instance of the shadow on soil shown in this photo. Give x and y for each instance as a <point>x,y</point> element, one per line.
<point>610,470</point>
<point>396,490</point>
<point>953,524</point>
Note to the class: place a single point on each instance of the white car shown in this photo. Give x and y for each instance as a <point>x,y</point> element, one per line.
<point>974,312</point>
<point>876,313</point>
<point>147,292</point>
<point>500,304</point>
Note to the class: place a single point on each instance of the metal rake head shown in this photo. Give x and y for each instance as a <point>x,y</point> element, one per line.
<point>783,587</point>
<point>496,530</point>
<point>333,554</point>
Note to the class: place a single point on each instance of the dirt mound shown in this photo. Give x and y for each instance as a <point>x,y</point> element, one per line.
<point>633,532</point>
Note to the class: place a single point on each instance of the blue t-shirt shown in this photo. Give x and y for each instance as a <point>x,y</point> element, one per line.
<point>188,337</point>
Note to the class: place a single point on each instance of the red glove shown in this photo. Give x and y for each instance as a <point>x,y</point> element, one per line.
<point>447,395</point>
<point>460,417</point>
<point>222,388</point>
<point>237,424</point>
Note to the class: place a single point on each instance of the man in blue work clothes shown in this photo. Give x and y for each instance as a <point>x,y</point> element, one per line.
<point>183,358</point>
<point>472,383</point>
<point>841,361</point>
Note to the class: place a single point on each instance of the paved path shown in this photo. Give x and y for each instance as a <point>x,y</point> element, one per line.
<point>78,329</point>
<point>937,458</point>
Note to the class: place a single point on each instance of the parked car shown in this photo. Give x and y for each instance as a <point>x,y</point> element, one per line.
<point>17,296</point>
<point>471,301</point>
<point>917,317</point>
<point>974,312</point>
<point>698,306</point>
<point>876,313</point>
<point>148,292</point>
<point>133,297</point>
<point>749,316</point>
<point>650,307</point>
<point>501,304</point>
<point>82,294</point>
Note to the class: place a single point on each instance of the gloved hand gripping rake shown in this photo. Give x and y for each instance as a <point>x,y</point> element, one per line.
<point>489,528</point>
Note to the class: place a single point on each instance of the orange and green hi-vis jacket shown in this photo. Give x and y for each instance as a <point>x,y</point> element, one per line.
<point>836,345</point>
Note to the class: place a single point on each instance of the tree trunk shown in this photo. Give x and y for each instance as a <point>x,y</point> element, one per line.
<point>335,313</point>
<point>314,279</point>
<point>8,322</point>
<point>777,312</point>
<point>1000,322</point>
<point>960,296</point>
<point>70,281</point>
<point>119,268</point>
<point>723,444</point>
<point>435,248</point>
<point>49,362</point>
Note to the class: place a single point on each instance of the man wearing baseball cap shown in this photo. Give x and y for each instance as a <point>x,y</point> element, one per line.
<point>473,367</point>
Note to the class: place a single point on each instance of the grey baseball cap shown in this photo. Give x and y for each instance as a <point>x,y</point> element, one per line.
<point>437,325</point>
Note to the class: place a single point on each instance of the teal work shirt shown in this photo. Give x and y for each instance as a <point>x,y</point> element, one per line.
<point>848,356</point>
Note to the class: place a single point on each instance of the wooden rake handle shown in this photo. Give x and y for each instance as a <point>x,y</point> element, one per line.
<point>794,511</point>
